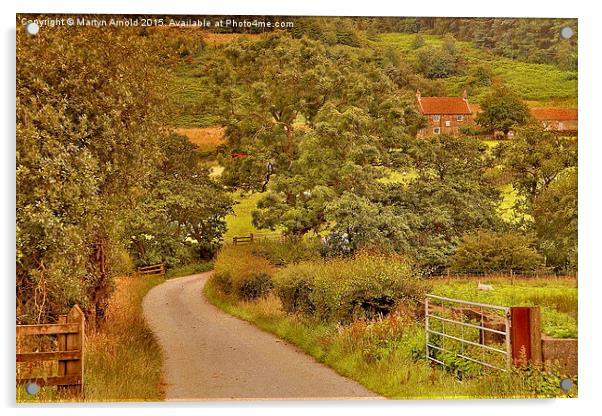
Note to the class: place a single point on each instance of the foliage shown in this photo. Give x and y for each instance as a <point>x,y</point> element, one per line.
<point>241,274</point>
<point>88,133</point>
<point>502,110</point>
<point>544,171</point>
<point>450,195</point>
<point>495,251</point>
<point>343,289</point>
<point>182,217</point>
<point>437,63</point>
<point>555,221</point>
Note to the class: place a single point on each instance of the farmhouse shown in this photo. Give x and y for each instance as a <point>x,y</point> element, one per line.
<point>445,115</point>
<point>557,119</point>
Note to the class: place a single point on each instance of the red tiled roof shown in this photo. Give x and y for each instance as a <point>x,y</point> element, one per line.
<point>444,105</point>
<point>554,113</point>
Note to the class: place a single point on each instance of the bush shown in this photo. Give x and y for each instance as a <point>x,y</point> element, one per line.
<point>240,273</point>
<point>290,251</point>
<point>295,285</point>
<point>344,289</point>
<point>496,251</point>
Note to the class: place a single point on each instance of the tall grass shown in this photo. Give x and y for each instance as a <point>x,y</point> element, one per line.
<point>123,360</point>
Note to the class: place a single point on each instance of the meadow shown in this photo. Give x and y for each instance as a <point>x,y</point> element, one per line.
<point>544,85</point>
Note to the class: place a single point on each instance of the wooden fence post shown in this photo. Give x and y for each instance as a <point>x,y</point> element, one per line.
<point>62,346</point>
<point>76,342</point>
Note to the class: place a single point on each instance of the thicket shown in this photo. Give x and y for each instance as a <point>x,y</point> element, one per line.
<point>93,160</point>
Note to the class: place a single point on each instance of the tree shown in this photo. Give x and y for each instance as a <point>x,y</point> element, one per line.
<point>451,194</point>
<point>543,168</point>
<point>345,152</point>
<point>418,41</point>
<point>436,63</point>
<point>183,212</point>
<point>534,159</point>
<point>88,132</point>
<point>502,110</point>
<point>555,216</point>
<point>485,250</point>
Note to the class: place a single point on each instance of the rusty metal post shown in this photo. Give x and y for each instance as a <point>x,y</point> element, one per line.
<point>526,335</point>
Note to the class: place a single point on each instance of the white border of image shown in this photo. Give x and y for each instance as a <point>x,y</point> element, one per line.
<point>590,144</point>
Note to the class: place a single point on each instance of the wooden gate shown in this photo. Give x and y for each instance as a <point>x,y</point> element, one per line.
<point>69,353</point>
<point>153,269</point>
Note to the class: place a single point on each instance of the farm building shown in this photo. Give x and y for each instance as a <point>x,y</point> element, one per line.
<point>445,115</point>
<point>557,119</point>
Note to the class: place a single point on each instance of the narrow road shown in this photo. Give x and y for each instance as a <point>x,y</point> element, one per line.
<point>212,355</point>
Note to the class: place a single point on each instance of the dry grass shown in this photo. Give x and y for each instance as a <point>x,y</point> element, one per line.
<point>123,359</point>
<point>206,138</point>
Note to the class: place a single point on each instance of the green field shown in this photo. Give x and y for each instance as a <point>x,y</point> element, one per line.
<point>557,298</point>
<point>541,83</point>
<point>240,221</point>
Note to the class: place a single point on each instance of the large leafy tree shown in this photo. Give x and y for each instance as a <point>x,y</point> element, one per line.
<point>543,168</point>
<point>555,216</point>
<point>92,106</point>
<point>452,193</point>
<point>271,92</point>
<point>502,110</point>
<point>345,152</point>
<point>183,213</point>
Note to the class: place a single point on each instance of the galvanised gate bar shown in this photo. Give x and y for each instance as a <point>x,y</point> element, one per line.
<point>476,332</point>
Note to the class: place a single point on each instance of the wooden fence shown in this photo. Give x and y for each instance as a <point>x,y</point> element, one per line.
<point>153,269</point>
<point>252,238</point>
<point>69,332</point>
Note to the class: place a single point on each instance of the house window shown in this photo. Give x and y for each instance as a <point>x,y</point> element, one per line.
<point>436,118</point>
<point>447,123</point>
<point>459,118</point>
<point>437,130</point>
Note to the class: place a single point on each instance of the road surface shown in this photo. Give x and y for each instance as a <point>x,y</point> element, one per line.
<point>210,355</point>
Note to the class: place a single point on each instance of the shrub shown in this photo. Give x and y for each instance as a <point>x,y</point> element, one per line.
<point>241,273</point>
<point>344,289</point>
<point>294,287</point>
<point>289,251</point>
<point>488,250</point>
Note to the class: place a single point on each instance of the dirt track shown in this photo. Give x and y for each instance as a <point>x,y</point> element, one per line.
<point>212,355</point>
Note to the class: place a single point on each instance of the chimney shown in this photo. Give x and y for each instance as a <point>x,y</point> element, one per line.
<point>465,95</point>
<point>418,95</point>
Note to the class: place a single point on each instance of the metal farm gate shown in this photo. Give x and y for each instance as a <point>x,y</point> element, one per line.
<point>468,332</point>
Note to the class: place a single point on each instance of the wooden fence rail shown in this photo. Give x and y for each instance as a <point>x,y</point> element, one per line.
<point>158,268</point>
<point>243,240</point>
<point>69,332</point>
<point>257,237</point>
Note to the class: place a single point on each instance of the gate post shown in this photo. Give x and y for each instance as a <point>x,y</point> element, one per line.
<point>74,342</point>
<point>525,334</point>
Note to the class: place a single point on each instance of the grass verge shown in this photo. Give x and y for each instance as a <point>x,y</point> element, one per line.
<point>123,359</point>
<point>188,269</point>
<point>384,356</point>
